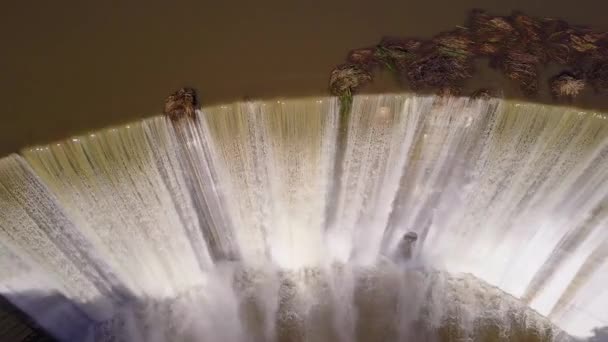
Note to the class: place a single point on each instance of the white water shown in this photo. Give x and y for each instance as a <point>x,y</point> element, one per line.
<point>238,227</point>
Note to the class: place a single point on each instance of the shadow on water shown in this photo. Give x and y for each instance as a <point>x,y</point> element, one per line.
<point>53,317</point>
<point>599,335</point>
<point>41,317</point>
<point>17,326</point>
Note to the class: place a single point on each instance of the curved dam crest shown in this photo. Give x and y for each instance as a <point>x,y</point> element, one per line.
<point>268,221</point>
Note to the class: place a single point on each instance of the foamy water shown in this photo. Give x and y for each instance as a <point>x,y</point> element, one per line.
<point>263,221</point>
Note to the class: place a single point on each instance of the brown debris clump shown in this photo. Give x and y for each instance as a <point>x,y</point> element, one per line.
<point>566,45</point>
<point>438,71</point>
<point>347,78</point>
<point>566,85</point>
<point>523,53</point>
<point>597,74</point>
<point>556,48</point>
<point>490,33</point>
<point>364,58</point>
<point>485,94</point>
<point>518,45</point>
<point>522,67</point>
<point>396,54</point>
<point>457,44</point>
<point>530,36</point>
<point>444,63</point>
<point>181,104</point>
<point>528,27</point>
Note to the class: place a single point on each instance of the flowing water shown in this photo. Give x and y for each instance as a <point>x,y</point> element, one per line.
<point>267,221</point>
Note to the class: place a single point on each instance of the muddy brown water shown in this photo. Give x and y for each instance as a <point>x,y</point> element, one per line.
<point>80,65</point>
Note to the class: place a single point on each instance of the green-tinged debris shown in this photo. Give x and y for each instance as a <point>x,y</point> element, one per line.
<point>457,44</point>
<point>396,54</point>
<point>345,80</point>
<point>568,45</point>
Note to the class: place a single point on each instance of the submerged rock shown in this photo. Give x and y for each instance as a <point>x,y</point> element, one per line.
<point>407,245</point>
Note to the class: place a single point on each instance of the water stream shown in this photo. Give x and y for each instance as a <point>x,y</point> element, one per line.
<point>241,226</point>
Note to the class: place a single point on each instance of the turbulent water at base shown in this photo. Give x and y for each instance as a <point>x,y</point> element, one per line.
<point>266,221</point>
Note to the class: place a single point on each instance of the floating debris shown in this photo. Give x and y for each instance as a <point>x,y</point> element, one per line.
<point>457,43</point>
<point>345,80</point>
<point>566,85</point>
<point>518,45</point>
<point>407,245</point>
<point>486,93</point>
<point>444,63</point>
<point>364,58</point>
<point>530,36</point>
<point>568,45</point>
<point>438,70</point>
<point>182,104</point>
<point>557,48</point>
<point>596,73</point>
<point>490,33</point>
<point>396,53</point>
<point>522,67</point>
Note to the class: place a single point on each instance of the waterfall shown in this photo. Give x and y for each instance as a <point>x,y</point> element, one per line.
<point>241,226</point>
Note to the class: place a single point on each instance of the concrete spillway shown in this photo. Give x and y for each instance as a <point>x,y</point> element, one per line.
<point>267,221</point>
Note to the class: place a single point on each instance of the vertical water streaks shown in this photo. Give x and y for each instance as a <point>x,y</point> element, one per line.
<point>167,151</point>
<point>208,312</point>
<point>380,132</point>
<point>275,160</point>
<point>513,211</point>
<point>196,156</point>
<point>501,190</point>
<point>48,267</point>
<point>37,294</point>
<point>111,185</point>
<point>242,212</point>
